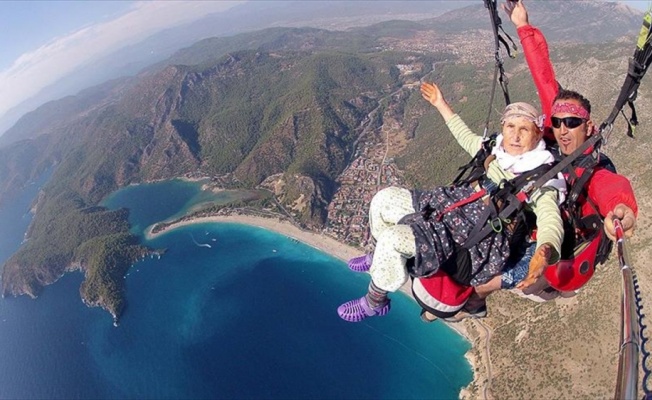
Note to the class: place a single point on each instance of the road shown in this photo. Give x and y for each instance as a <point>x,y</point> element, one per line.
<point>486,391</point>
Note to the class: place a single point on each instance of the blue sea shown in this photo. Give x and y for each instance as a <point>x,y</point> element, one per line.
<point>229,311</point>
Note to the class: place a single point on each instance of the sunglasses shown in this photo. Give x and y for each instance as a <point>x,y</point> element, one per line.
<point>569,122</point>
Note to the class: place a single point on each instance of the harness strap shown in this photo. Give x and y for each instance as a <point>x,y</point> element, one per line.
<point>481,229</point>
<point>632,122</point>
<point>566,161</point>
<point>578,184</point>
<point>577,187</point>
<point>478,164</point>
<point>504,42</point>
<point>638,65</point>
<point>493,224</point>
<point>502,79</point>
<point>475,196</point>
<point>496,25</point>
<point>492,219</point>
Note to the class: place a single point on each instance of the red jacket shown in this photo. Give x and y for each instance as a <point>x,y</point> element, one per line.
<point>605,188</point>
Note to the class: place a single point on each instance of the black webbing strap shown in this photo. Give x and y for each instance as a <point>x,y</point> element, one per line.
<point>494,218</point>
<point>499,71</point>
<point>628,93</point>
<point>578,184</point>
<point>637,68</point>
<point>476,165</point>
<point>564,163</point>
<point>577,187</point>
<point>632,122</point>
<point>482,229</point>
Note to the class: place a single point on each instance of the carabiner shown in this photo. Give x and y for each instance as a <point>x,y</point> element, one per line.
<point>496,226</point>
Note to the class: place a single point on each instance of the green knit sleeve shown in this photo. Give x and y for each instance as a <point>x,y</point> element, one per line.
<point>469,141</point>
<point>550,228</point>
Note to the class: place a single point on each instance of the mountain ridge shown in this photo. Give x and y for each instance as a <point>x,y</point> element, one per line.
<point>130,60</point>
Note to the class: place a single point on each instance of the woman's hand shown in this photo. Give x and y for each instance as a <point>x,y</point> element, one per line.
<point>537,266</point>
<point>433,95</point>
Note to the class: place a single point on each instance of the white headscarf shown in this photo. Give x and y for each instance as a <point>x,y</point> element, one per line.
<point>529,161</point>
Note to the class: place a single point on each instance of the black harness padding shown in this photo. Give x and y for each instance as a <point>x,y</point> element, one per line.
<point>475,167</point>
<point>505,205</point>
<point>458,265</point>
<point>579,229</point>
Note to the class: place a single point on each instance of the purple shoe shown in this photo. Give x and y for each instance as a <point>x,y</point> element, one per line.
<point>359,309</point>
<point>361,263</point>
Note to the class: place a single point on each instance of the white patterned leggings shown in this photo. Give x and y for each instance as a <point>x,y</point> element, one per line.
<point>394,243</point>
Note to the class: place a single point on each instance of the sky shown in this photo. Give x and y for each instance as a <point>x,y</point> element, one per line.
<point>42,41</point>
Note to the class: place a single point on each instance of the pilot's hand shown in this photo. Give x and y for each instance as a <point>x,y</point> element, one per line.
<point>516,12</point>
<point>627,220</point>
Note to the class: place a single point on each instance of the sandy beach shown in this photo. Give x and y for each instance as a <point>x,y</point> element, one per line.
<point>328,245</point>
<point>319,241</point>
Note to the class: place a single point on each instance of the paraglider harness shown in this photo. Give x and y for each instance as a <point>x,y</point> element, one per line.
<point>507,199</point>
<point>504,211</point>
<point>445,293</point>
<point>585,243</point>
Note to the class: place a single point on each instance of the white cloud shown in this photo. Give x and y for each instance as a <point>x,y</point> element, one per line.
<point>39,68</point>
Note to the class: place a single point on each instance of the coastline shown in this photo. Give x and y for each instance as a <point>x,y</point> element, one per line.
<point>319,241</point>
<point>343,252</point>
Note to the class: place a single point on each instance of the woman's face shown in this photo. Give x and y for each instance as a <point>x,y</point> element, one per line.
<point>520,135</point>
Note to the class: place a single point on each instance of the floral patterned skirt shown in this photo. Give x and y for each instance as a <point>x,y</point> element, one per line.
<point>438,234</point>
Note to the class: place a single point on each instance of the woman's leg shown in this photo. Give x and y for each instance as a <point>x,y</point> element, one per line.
<point>395,245</point>
<point>516,271</point>
<point>387,207</point>
<point>388,274</point>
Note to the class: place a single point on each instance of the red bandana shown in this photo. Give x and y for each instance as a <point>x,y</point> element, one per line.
<point>571,109</point>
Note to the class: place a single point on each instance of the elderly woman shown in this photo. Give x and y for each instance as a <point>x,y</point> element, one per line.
<point>426,227</point>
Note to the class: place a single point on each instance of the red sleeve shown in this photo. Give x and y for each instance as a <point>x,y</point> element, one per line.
<point>537,56</point>
<point>607,190</point>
